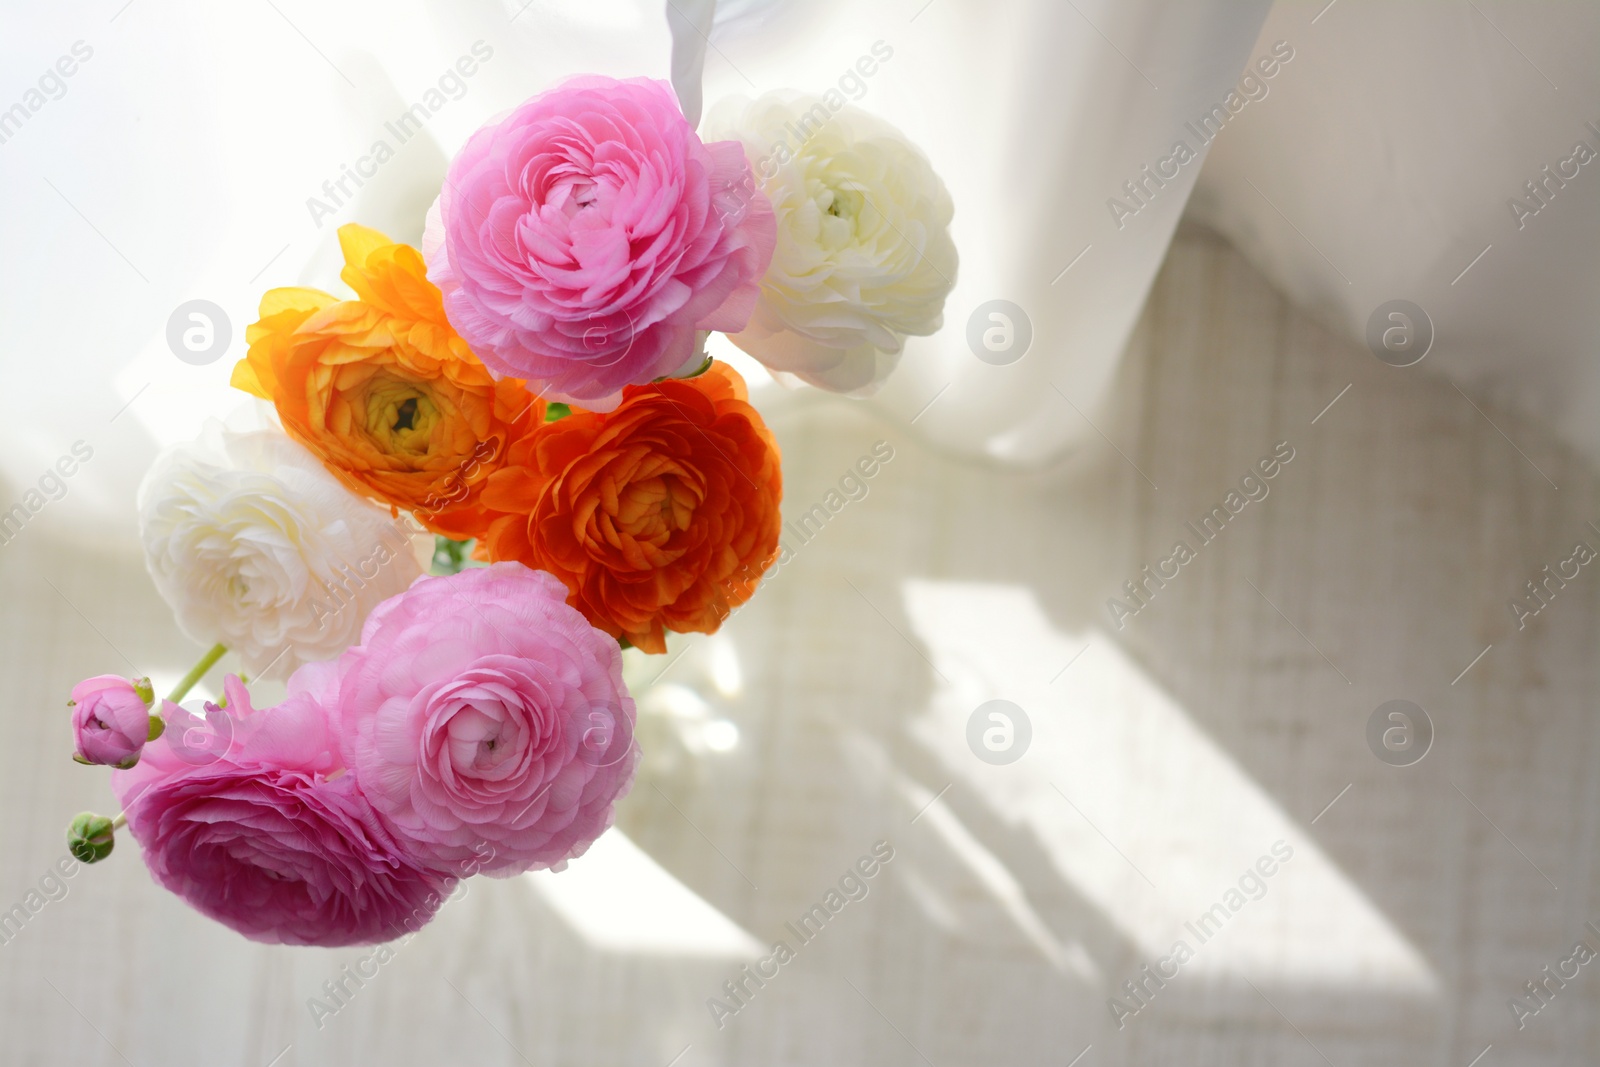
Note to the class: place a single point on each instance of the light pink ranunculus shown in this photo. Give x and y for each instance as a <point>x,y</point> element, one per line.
<point>485,716</point>
<point>273,838</point>
<point>110,720</point>
<point>584,238</point>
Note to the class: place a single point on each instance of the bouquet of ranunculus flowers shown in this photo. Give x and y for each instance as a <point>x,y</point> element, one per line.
<point>531,390</point>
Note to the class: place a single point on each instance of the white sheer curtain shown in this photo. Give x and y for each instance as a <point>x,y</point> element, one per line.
<point>1398,156</point>
<point>1035,112</point>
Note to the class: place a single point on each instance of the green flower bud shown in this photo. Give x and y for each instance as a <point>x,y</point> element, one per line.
<point>145,691</point>
<point>90,838</point>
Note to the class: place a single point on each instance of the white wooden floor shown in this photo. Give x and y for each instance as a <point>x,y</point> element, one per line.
<point>1166,759</point>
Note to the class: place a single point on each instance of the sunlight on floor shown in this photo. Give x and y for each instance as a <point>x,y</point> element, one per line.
<point>1137,808</point>
<point>618,899</point>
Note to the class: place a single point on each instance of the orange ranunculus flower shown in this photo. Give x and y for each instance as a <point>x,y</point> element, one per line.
<point>383,390</point>
<point>660,515</point>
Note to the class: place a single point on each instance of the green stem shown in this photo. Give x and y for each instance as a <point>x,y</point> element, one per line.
<point>197,672</point>
<point>120,821</point>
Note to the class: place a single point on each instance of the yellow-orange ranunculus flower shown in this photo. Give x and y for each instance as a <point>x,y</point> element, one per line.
<point>383,390</point>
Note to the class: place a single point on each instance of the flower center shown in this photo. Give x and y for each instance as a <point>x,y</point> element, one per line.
<point>839,206</point>
<point>573,192</point>
<point>481,738</point>
<point>401,419</point>
<point>653,509</point>
<point>583,194</point>
<point>839,209</point>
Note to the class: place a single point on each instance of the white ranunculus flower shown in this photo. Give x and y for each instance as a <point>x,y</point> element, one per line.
<point>256,546</point>
<point>864,255</point>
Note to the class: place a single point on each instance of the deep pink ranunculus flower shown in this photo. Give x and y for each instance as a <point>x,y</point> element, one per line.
<point>269,835</point>
<point>110,720</point>
<point>584,238</point>
<point>485,717</point>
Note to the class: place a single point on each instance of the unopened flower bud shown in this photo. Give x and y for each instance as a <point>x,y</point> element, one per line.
<point>111,720</point>
<point>91,837</point>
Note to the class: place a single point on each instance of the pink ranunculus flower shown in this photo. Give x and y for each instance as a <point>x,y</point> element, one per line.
<point>111,719</point>
<point>484,715</point>
<point>584,238</point>
<point>273,838</point>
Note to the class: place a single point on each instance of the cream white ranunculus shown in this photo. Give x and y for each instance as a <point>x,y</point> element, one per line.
<point>257,547</point>
<point>864,256</point>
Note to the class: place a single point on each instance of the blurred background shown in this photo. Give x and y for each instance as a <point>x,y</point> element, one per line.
<point>1162,744</point>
